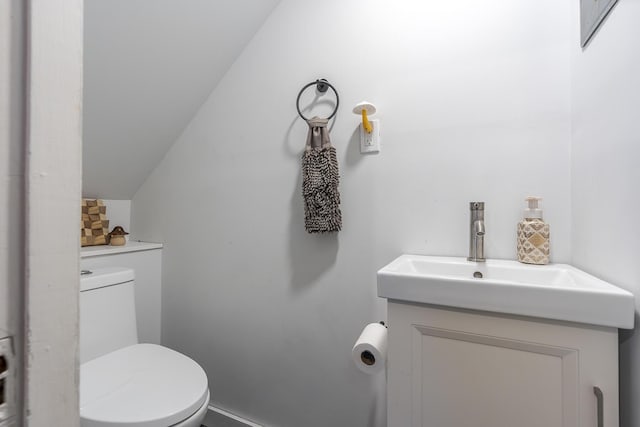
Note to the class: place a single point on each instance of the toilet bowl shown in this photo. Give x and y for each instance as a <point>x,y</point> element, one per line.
<point>124,383</point>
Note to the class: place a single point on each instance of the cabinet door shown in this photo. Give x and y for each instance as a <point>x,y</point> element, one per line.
<point>465,380</point>
<point>450,368</point>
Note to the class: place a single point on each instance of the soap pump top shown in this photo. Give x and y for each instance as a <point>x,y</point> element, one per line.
<point>533,211</point>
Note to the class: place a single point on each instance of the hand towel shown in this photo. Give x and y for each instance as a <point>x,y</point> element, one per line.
<point>320,179</point>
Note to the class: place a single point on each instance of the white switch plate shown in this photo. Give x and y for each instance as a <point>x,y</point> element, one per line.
<point>370,142</point>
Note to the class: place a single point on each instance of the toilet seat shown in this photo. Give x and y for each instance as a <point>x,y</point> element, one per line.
<point>143,385</point>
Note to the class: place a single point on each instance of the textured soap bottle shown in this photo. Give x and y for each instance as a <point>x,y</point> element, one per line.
<point>533,235</point>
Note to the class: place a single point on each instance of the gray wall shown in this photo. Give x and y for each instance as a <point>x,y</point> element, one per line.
<point>475,105</point>
<point>605,172</point>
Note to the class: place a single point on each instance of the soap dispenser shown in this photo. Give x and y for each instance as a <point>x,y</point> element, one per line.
<point>533,235</point>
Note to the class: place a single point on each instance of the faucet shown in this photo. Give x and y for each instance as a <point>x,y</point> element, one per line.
<point>476,236</point>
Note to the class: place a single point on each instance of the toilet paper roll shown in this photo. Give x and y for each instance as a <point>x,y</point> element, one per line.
<point>370,351</point>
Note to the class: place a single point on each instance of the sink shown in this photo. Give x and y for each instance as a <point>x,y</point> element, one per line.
<point>554,291</point>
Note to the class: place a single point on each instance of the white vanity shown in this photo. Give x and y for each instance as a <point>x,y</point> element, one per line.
<point>501,344</point>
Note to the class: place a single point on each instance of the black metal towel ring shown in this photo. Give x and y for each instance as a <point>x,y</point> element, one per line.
<point>322,85</point>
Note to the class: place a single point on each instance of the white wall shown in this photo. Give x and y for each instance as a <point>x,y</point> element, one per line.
<point>149,66</point>
<point>475,105</point>
<point>12,178</point>
<point>605,172</point>
<point>119,213</point>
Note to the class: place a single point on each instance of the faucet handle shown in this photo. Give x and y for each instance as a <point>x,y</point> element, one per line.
<point>476,206</point>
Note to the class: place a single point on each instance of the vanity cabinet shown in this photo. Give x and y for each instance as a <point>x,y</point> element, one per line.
<point>452,367</point>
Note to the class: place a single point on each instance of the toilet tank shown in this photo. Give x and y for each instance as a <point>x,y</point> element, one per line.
<point>107,312</point>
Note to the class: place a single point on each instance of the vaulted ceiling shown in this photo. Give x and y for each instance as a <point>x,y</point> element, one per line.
<point>148,66</point>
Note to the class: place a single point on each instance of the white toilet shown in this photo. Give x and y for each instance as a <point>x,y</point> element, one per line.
<point>124,383</point>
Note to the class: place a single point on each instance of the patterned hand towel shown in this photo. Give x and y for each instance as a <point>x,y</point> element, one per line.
<point>320,179</point>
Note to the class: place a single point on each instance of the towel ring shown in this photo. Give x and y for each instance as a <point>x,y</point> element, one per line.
<point>322,85</point>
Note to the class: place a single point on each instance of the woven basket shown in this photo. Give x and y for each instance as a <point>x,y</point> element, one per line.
<point>94,225</point>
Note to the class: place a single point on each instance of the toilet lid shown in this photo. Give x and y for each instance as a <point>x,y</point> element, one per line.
<point>143,385</point>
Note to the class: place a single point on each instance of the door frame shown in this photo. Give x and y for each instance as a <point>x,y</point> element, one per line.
<point>53,181</point>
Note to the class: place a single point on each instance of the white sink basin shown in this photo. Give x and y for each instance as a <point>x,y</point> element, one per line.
<point>554,291</point>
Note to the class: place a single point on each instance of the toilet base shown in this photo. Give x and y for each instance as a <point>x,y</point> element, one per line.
<point>195,420</point>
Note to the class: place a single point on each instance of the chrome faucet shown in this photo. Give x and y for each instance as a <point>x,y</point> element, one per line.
<point>476,236</point>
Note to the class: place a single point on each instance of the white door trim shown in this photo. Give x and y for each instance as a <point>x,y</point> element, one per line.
<point>53,191</point>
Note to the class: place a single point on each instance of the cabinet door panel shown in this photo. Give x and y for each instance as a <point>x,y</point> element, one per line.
<point>469,380</point>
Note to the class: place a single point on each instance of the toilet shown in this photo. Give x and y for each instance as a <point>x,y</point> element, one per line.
<point>124,383</point>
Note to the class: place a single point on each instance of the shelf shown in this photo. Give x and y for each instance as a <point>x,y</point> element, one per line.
<point>131,246</point>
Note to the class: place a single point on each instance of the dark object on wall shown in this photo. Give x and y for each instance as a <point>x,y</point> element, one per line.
<point>322,85</point>
<point>320,176</point>
<point>592,15</point>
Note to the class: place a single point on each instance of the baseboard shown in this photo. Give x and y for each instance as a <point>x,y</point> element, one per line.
<point>228,415</point>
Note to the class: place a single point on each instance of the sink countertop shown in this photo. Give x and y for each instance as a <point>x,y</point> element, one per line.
<point>553,291</point>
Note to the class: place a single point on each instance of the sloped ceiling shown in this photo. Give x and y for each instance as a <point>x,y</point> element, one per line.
<point>148,66</point>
